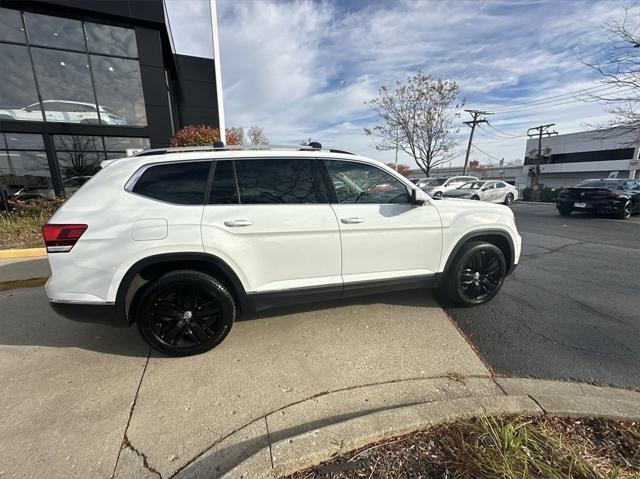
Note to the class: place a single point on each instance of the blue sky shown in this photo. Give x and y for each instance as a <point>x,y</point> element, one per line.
<point>304,69</point>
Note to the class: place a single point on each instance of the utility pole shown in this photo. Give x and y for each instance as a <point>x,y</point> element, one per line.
<point>477,117</point>
<point>541,130</point>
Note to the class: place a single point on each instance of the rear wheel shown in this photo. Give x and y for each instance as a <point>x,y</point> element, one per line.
<point>476,275</point>
<point>625,212</point>
<point>184,313</point>
<point>475,197</point>
<point>508,199</point>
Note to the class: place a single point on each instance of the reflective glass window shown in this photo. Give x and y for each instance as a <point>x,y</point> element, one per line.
<point>119,90</point>
<point>11,28</point>
<point>24,169</point>
<point>57,32</point>
<point>276,181</point>
<point>65,86</point>
<point>111,40</point>
<point>18,96</point>
<point>223,188</point>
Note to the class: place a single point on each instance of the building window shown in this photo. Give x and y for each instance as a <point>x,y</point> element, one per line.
<point>24,170</point>
<point>79,156</point>
<point>18,95</point>
<point>85,72</point>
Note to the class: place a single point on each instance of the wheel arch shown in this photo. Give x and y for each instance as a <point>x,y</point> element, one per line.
<point>500,238</point>
<point>155,266</point>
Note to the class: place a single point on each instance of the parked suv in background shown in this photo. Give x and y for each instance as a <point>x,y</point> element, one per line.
<point>181,241</point>
<point>436,187</point>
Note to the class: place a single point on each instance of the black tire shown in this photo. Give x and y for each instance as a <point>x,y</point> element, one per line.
<point>475,276</point>
<point>437,194</point>
<point>475,197</point>
<point>625,212</point>
<point>564,211</point>
<point>508,199</point>
<point>183,313</point>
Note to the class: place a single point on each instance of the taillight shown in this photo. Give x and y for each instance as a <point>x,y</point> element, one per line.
<point>61,238</point>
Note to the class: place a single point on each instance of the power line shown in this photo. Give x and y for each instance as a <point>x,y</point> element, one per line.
<point>475,147</point>
<point>508,135</point>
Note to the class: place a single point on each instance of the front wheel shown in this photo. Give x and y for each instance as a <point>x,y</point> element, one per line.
<point>508,199</point>
<point>476,275</point>
<point>475,197</point>
<point>184,313</point>
<point>625,212</point>
<point>437,194</point>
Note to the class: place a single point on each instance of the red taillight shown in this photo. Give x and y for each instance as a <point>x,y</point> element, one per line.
<point>61,238</point>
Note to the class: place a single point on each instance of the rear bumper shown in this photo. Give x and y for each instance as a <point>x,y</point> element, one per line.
<point>594,206</point>
<point>105,313</point>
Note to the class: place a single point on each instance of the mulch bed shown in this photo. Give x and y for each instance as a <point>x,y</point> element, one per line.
<point>611,449</point>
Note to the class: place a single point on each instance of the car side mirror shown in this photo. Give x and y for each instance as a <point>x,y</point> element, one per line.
<point>417,198</point>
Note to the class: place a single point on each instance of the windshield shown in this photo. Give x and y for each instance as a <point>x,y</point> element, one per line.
<point>471,185</point>
<point>432,182</point>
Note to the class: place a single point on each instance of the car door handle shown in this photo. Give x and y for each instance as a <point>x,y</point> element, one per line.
<point>352,221</point>
<point>238,223</point>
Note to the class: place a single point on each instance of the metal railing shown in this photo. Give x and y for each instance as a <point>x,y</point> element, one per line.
<point>188,149</point>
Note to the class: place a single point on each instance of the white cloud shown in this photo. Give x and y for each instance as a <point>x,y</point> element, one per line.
<point>305,68</point>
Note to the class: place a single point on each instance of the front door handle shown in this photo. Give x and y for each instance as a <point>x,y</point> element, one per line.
<point>238,223</point>
<point>352,221</point>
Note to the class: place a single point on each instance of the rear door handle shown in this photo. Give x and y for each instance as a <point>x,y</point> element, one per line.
<point>238,223</point>
<point>352,221</point>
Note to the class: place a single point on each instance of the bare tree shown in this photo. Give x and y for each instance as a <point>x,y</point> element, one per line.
<point>256,136</point>
<point>620,69</point>
<point>418,117</point>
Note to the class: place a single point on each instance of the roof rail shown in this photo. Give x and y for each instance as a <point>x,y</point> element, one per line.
<point>187,149</point>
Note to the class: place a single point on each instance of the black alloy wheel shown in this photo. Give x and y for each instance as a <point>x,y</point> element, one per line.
<point>184,313</point>
<point>625,212</point>
<point>508,199</point>
<point>476,275</point>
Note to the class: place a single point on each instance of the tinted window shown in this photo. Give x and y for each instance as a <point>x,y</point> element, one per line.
<point>17,85</point>
<point>500,184</point>
<point>55,31</point>
<point>11,26</point>
<point>276,181</point>
<point>362,183</point>
<point>180,183</point>
<point>111,40</point>
<point>223,189</point>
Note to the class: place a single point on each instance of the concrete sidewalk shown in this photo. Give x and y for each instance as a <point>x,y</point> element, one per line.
<point>83,400</point>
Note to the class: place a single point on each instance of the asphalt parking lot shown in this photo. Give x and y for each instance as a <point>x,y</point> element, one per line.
<point>571,310</point>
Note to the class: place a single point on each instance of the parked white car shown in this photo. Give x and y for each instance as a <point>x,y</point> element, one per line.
<point>180,241</point>
<point>492,191</point>
<point>64,111</point>
<point>436,187</point>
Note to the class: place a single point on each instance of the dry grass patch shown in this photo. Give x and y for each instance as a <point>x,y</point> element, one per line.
<point>497,447</point>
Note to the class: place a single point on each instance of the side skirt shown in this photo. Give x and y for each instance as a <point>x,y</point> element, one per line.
<point>261,301</point>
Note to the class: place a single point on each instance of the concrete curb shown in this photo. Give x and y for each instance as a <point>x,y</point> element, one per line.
<point>23,253</point>
<point>280,443</point>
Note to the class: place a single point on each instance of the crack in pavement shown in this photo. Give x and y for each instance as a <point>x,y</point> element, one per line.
<point>527,257</point>
<point>125,439</point>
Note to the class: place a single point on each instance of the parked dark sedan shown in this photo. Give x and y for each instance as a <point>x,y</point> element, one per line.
<point>617,197</point>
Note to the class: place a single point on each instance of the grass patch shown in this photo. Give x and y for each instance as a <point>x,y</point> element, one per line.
<point>22,226</point>
<point>22,283</point>
<point>505,448</point>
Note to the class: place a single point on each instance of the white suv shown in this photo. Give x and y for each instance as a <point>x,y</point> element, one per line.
<point>181,241</point>
<point>436,187</point>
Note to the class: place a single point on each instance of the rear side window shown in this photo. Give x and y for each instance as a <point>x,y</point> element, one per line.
<point>278,181</point>
<point>223,188</point>
<point>179,183</point>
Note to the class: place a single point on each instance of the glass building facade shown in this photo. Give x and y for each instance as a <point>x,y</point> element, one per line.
<point>82,82</point>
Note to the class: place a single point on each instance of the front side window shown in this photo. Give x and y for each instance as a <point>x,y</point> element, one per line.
<point>365,184</point>
<point>179,183</point>
<point>278,181</point>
